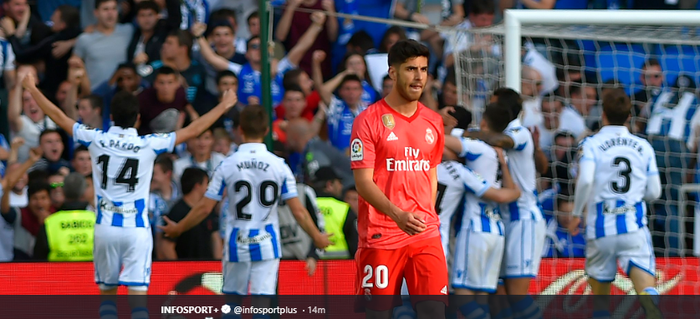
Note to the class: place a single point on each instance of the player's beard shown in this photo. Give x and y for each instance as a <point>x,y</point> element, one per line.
<point>406,92</point>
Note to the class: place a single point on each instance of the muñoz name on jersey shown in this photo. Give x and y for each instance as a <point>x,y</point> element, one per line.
<point>482,166</point>
<point>255,180</point>
<point>623,163</point>
<point>521,162</point>
<point>122,166</point>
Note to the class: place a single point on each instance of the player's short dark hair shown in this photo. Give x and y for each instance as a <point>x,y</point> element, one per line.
<point>482,7</point>
<point>124,109</point>
<point>94,100</point>
<point>291,77</point>
<point>497,116</point>
<point>617,106</point>
<point>47,132</point>
<point>510,99</point>
<point>294,88</point>
<point>165,162</point>
<point>147,5</point>
<point>38,186</point>
<point>98,3</point>
<point>254,121</point>
<point>70,15</point>
<point>407,49</point>
<point>221,23</point>
<point>191,177</point>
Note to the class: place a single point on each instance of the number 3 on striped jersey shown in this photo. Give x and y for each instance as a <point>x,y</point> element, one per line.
<point>381,280</point>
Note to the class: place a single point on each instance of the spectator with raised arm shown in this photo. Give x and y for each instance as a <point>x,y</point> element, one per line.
<point>294,24</point>
<point>50,50</point>
<point>52,147</point>
<point>20,22</point>
<point>103,50</point>
<point>164,104</point>
<point>341,112</point>
<point>223,37</point>
<point>25,117</point>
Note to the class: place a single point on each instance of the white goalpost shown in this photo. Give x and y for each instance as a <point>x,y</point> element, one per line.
<point>515,19</point>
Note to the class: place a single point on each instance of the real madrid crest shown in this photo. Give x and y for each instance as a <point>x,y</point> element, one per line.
<point>429,137</point>
<point>388,121</point>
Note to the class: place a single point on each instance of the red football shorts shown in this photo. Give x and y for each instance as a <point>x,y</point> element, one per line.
<point>380,272</point>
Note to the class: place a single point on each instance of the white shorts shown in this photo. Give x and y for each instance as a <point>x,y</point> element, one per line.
<point>632,249</point>
<point>477,260</point>
<point>251,277</point>
<point>524,244</point>
<point>117,247</point>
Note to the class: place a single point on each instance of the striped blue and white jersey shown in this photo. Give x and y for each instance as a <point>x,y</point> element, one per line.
<point>482,164</point>
<point>623,163</point>
<point>673,116</point>
<point>521,163</point>
<point>122,166</point>
<point>451,198</point>
<point>255,180</point>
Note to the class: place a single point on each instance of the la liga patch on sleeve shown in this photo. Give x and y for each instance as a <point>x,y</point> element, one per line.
<point>356,150</point>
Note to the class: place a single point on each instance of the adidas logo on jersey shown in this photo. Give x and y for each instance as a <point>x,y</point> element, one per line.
<point>392,137</point>
<point>443,290</point>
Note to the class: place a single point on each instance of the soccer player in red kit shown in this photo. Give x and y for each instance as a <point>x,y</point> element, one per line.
<point>395,147</point>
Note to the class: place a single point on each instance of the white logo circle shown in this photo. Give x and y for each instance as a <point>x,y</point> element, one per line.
<point>225,309</point>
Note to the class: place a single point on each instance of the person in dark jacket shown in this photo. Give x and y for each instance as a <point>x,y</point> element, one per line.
<point>148,38</point>
<point>338,217</point>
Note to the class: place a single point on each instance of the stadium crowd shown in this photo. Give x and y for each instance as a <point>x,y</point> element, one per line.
<point>178,57</point>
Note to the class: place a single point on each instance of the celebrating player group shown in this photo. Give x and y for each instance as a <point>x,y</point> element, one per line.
<point>413,179</point>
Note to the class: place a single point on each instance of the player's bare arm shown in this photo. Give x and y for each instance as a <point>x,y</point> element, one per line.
<point>410,223</point>
<point>301,215</point>
<point>453,144</point>
<point>541,162</point>
<point>494,139</point>
<point>510,191</point>
<point>193,218</point>
<point>50,109</point>
<point>584,186</point>
<point>196,128</point>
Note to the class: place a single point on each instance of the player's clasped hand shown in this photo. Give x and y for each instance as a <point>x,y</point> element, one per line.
<point>230,99</point>
<point>573,226</point>
<point>411,223</point>
<point>323,240</point>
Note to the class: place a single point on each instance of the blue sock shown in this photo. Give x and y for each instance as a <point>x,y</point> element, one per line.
<point>601,314</point>
<point>653,293</point>
<point>472,310</point>
<point>108,310</point>
<point>504,314</point>
<point>527,309</point>
<point>139,313</point>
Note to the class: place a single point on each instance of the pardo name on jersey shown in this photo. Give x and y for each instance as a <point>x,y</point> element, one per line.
<point>253,164</point>
<point>408,165</point>
<point>121,146</point>
<point>620,141</point>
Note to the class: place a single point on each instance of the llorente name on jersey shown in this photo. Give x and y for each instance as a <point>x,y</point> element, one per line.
<point>253,164</point>
<point>121,146</point>
<point>619,141</point>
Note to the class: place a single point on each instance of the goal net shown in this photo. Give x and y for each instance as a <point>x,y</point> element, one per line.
<point>562,71</point>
